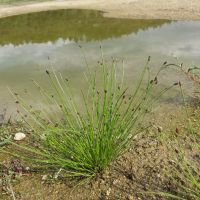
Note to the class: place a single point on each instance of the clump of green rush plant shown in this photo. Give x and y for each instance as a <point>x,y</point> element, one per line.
<point>87,138</point>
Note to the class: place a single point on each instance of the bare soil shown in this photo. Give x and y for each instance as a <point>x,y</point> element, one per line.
<point>141,169</point>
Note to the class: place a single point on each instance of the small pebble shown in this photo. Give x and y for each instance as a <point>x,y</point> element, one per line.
<point>27,168</point>
<point>160,129</point>
<point>19,136</point>
<point>44,177</point>
<point>108,192</point>
<point>115,182</point>
<point>158,175</point>
<point>130,197</point>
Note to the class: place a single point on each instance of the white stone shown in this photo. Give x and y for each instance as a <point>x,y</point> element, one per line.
<point>27,168</point>
<point>19,136</point>
<point>108,191</point>
<point>130,197</point>
<point>44,177</point>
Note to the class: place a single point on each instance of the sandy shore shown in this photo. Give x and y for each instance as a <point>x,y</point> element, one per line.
<point>140,9</point>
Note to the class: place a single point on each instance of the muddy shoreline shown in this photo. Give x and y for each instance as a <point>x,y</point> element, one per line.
<point>136,9</point>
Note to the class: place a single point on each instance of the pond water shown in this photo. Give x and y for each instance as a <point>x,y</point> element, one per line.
<point>30,43</point>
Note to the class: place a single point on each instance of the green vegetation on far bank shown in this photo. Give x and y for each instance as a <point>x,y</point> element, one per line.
<point>73,25</point>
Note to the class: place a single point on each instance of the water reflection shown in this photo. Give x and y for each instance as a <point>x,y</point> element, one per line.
<point>27,41</point>
<point>74,25</point>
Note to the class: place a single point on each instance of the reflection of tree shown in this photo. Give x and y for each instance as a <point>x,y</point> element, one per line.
<point>74,25</point>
